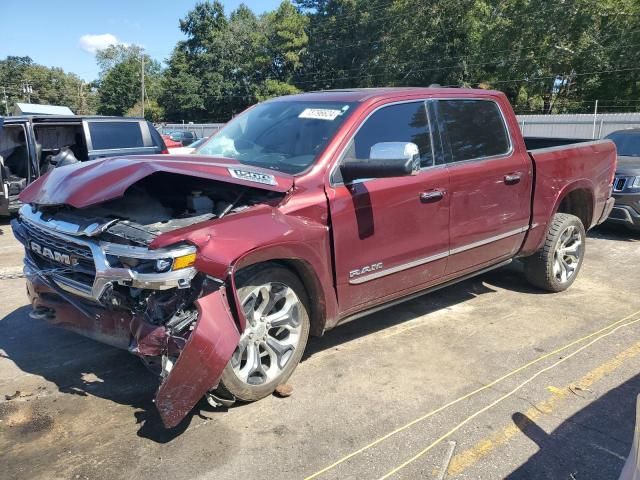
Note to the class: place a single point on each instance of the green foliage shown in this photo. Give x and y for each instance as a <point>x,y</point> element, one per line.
<point>50,86</point>
<point>274,88</point>
<point>152,111</point>
<point>119,85</point>
<point>229,62</point>
<point>547,56</point>
<point>518,46</point>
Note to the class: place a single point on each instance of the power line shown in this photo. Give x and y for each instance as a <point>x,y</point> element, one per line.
<point>468,56</point>
<point>430,69</point>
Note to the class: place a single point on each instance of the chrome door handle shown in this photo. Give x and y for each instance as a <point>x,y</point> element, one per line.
<point>512,178</point>
<point>431,196</point>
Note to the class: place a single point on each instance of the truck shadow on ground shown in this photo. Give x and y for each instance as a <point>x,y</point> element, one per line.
<point>84,367</point>
<point>509,278</point>
<point>80,366</point>
<point>590,444</point>
<point>614,232</point>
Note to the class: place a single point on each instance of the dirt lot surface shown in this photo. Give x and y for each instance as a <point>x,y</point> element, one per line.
<point>486,379</point>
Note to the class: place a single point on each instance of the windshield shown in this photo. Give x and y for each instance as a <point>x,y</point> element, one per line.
<point>627,143</point>
<point>284,135</point>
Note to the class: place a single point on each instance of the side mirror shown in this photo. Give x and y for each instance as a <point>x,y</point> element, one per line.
<point>386,159</point>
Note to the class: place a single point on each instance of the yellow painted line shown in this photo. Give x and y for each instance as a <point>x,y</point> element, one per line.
<point>501,399</point>
<point>466,396</point>
<point>460,462</point>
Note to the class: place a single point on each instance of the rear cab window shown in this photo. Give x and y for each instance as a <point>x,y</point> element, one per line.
<point>472,129</point>
<point>107,135</point>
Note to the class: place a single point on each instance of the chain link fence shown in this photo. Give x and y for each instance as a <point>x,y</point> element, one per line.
<point>200,129</point>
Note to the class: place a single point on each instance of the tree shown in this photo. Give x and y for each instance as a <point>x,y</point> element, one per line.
<point>120,85</point>
<point>229,62</point>
<point>49,86</point>
<point>152,111</point>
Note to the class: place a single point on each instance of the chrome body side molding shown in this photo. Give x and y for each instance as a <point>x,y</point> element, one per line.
<point>433,258</point>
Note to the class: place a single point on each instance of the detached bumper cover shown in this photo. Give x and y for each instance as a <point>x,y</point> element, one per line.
<point>200,365</point>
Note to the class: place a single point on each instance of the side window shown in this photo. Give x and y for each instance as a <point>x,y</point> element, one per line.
<point>404,122</point>
<point>474,129</point>
<point>108,135</point>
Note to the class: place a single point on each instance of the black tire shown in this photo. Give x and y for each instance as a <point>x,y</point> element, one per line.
<point>539,267</point>
<point>231,386</point>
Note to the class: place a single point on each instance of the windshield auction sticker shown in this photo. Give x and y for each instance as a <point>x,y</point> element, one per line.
<point>320,113</point>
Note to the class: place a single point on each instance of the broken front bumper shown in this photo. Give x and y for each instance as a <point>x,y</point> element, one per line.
<point>59,246</point>
<point>201,359</point>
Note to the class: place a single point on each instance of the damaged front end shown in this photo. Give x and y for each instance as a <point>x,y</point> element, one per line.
<point>93,270</point>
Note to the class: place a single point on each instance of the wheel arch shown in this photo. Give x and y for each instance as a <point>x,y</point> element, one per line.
<point>321,304</point>
<point>578,200</point>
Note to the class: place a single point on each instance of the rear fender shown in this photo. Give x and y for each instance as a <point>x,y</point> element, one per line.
<point>545,206</point>
<point>200,365</point>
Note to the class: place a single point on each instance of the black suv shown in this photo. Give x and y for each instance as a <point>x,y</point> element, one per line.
<point>31,145</point>
<point>626,186</point>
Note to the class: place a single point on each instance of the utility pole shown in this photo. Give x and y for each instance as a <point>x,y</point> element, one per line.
<point>5,101</point>
<point>27,90</point>
<point>142,83</point>
<point>595,117</point>
<point>81,98</point>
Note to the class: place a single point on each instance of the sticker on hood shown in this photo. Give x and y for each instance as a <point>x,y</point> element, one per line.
<point>251,176</point>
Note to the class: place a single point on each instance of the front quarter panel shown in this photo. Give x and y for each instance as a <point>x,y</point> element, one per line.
<point>262,234</point>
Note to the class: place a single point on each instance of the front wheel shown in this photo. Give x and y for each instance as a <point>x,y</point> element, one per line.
<point>556,265</point>
<point>275,306</point>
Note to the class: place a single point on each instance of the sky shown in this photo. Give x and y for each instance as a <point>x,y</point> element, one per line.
<point>65,34</point>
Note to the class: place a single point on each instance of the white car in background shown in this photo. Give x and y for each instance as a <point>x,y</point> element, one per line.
<point>631,470</point>
<point>188,150</point>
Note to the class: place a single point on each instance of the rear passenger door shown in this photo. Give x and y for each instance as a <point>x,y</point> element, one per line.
<point>489,183</point>
<point>109,138</point>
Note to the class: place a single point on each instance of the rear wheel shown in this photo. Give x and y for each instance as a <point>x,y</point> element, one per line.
<point>275,306</point>
<point>556,265</point>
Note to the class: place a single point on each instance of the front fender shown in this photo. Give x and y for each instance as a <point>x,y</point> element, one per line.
<point>201,362</point>
<point>261,234</point>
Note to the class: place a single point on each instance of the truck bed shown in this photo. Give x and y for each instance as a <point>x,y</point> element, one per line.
<point>536,143</point>
<point>583,168</point>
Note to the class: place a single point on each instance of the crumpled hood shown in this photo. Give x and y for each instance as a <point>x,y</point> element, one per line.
<point>96,181</point>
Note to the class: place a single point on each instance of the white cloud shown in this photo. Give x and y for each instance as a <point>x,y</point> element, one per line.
<point>93,43</point>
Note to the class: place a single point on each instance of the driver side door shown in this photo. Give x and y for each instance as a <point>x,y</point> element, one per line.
<point>390,235</point>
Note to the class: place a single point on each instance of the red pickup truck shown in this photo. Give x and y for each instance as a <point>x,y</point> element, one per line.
<point>302,213</point>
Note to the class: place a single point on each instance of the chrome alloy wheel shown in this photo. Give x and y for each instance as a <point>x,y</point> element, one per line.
<point>566,257</point>
<point>271,335</point>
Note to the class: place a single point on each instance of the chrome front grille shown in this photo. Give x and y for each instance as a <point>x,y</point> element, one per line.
<point>42,236</point>
<point>77,262</point>
<point>82,268</point>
